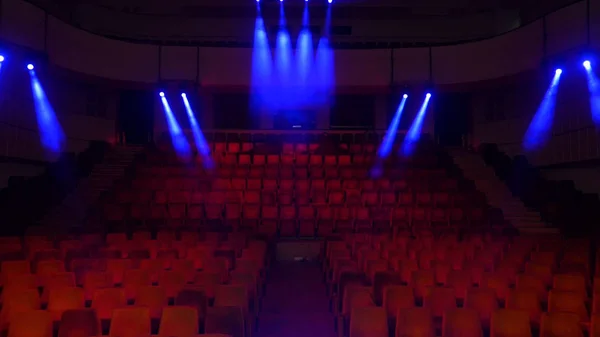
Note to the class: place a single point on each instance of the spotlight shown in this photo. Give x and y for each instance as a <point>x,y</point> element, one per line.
<point>161,94</point>
<point>428,95</point>
<point>280,0</point>
<point>1,58</point>
<point>330,1</point>
<point>405,96</point>
<point>558,71</point>
<point>587,65</point>
<point>30,66</point>
<point>183,94</point>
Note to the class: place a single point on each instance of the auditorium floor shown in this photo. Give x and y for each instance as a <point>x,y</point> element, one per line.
<point>296,302</point>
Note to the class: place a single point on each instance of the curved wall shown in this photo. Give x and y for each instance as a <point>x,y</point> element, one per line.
<point>513,52</point>
<point>560,34</point>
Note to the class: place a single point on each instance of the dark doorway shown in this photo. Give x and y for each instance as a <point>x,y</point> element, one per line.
<point>452,111</point>
<point>136,117</point>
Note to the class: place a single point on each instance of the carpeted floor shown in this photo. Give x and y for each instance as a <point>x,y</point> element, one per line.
<point>296,302</point>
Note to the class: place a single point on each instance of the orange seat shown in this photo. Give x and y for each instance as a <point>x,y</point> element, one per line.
<point>9,268</point>
<point>208,282</point>
<point>461,323</point>
<point>82,322</point>
<point>484,302</point>
<point>439,300</point>
<point>510,323</point>
<point>106,300</point>
<point>421,281</point>
<point>64,298</point>
<point>560,324</point>
<point>179,321</point>
<point>117,268</point>
<point>568,301</point>
<point>172,281</point>
<point>133,280</point>
<point>414,322</point>
<point>460,282</point>
<point>154,298</point>
<point>94,280</point>
<point>397,298</point>
<point>532,283</point>
<point>18,302</point>
<point>525,300</point>
<point>595,326</point>
<point>570,282</point>
<point>232,296</point>
<point>130,322</point>
<point>368,322</point>
<point>35,323</point>
<point>496,282</point>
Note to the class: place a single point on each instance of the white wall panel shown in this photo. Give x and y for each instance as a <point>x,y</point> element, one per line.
<point>411,65</point>
<point>22,24</point>
<point>566,28</point>
<point>178,63</point>
<point>511,53</point>
<point>81,51</point>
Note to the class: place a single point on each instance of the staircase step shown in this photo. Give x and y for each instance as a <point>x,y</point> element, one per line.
<point>497,192</point>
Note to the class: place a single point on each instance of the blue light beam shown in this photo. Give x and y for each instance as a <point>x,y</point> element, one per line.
<point>281,94</point>
<point>594,90</point>
<point>199,140</point>
<point>386,145</point>
<point>304,53</point>
<point>261,63</point>
<point>414,133</point>
<point>52,136</point>
<point>538,131</point>
<point>325,61</point>
<point>180,144</point>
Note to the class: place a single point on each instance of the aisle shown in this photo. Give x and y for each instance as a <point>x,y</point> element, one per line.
<point>296,303</point>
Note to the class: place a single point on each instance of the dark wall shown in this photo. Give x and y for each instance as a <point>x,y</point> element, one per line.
<point>136,116</point>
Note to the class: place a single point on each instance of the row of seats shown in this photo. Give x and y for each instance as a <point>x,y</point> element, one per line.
<point>117,275</point>
<point>419,284</point>
<point>176,321</point>
<point>336,197</point>
<point>273,184</point>
<point>302,160</point>
<point>304,221</point>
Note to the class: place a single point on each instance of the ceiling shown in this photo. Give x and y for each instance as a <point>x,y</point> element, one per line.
<point>347,9</point>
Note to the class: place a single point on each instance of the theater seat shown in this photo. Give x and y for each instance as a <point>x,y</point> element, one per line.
<point>510,323</point>
<point>65,298</point>
<point>414,322</point>
<point>152,297</point>
<point>35,323</point>
<point>368,322</point>
<point>461,323</point>
<point>225,320</point>
<point>179,321</point>
<point>560,324</point>
<point>79,323</point>
<point>130,322</point>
